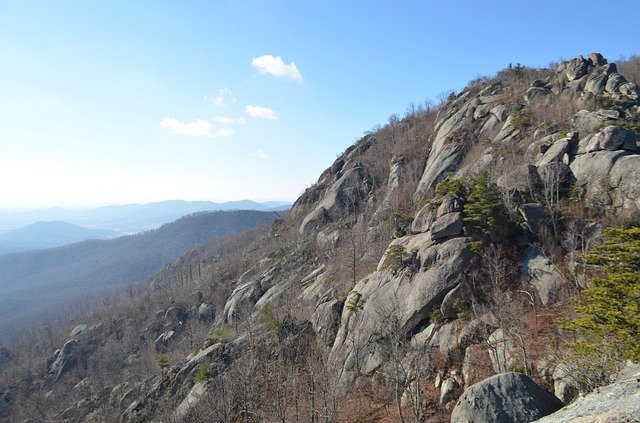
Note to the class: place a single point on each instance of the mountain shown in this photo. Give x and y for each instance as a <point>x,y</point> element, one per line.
<point>41,281</point>
<point>423,277</point>
<point>47,235</point>
<point>131,218</point>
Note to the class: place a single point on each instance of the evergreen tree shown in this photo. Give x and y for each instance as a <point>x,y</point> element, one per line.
<point>609,315</point>
<point>484,212</point>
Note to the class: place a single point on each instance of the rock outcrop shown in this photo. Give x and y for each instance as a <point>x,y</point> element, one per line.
<point>507,397</point>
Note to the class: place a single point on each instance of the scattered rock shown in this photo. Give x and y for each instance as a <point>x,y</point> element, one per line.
<point>206,312</point>
<point>507,397</point>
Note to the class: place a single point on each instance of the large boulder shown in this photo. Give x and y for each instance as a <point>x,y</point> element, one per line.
<point>618,402</point>
<point>610,138</point>
<point>504,398</point>
<point>447,226</point>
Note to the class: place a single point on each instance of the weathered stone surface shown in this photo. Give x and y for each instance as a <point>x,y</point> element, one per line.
<point>545,278</point>
<point>449,204</point>
<point>447,226</point>
<point>624,178</point>
<point>326,320</point>
<point>576,68</point>
<point>586,122</point>
<point>250,288</point>
<point>536,94</point>
<point>446,152</point>
<point>597,59</point>
<point>596,83</point>
<point>206,312</point>
<point>591,172</point>
<point>618,402</point>
<point>449,390</point>
<point>523,179</point>
<point>505,398</point>
<point>475,362</point>
<point>501,351</point>
<point>610,138</point>
<point>410,301</point>
<point>614,82</point>
<point>557,150</point>
<point>175,313</point>
<point>344,196</point>
<point>162,341</point>
<point>424,218</point>
<point>534,216</point>
<point>453,300</point>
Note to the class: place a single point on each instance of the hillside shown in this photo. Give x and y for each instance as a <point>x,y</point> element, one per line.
<point>47,281</point>
<point>41,235</point>
<point>421,277</point>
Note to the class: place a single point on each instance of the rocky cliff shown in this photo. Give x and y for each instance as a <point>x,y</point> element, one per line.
<point>434,253</point>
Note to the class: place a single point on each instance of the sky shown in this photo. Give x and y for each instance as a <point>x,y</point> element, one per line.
<point>115,102</point>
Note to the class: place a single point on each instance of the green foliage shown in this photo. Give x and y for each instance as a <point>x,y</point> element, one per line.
<point>219,334</point>
<point>203,373</point>
<point>608,322</point>
<point>399,223</point>
<point>393,257</point>
<point>435,315</point>
<point>484,212</point>
<point>270,318</point>
<point>452,187</point>
<point>521,118</point>
<point>162,362</point>
<point>353,300</point>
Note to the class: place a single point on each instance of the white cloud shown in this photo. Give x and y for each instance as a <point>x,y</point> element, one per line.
<point>225,95</point>
<point>276,67</point>
<point>197,128</point>
<point>261,154</point>
<point>261,112</point>
<point>225,120</point>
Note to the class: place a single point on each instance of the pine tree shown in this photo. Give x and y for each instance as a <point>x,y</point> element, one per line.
<point>609,313</point>
<point>484,212</point>
<point>606,331</point>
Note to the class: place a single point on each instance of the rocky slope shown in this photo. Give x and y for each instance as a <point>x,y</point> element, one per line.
<point>390,276</point>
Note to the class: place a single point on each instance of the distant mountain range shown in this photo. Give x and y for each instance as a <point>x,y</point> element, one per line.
<point>45,280</point>
<point>123,219</point>
<point>41,235</point>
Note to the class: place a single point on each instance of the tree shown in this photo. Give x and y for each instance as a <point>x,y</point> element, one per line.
<point>607,329</point>
<point>484,210</point>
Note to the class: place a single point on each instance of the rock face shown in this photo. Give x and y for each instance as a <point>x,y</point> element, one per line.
<point>618,402</point>
<point>406,296</point>
<point>504,398</point>
<point>74,352</point>
<point>344,196</point>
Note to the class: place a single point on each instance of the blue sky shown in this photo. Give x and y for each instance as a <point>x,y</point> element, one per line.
<point>105,102</point>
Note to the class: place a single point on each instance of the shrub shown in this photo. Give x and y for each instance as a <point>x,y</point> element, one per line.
<point>353,300</point>
<point>452,187</point>
<point>162,362</point>
<point>203,373</point>
<point>393,257</point>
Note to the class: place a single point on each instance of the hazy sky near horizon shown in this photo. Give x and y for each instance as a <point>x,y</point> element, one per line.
<point>105,102</point>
